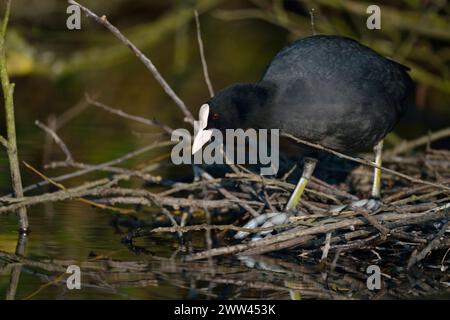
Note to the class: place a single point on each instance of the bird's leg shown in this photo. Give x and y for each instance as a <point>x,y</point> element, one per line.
<point>277,218</point>
<point>308,169</point>
<point>377,172</point>
<point>374,202</point>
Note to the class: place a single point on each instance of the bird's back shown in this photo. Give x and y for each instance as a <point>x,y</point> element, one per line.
<point>326,82</point>
<point>336,58</point>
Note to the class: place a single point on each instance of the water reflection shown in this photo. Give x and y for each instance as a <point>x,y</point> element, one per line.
<point>16,269</point>
<point>264,277</point>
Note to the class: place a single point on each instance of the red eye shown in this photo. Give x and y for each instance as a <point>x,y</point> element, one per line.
<point>215,116</point>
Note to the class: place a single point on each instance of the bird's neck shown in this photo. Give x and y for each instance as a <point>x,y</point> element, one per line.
<point>257,99</point>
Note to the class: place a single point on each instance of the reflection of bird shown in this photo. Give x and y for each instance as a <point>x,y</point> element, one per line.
<point>329,90</point>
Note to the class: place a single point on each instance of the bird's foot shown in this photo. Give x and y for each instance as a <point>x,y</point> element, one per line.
<point>371,204</point>
<point>273,219</point>
<point>265,220</point>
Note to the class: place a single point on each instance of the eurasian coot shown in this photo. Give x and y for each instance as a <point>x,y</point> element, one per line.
<point>329,90</point>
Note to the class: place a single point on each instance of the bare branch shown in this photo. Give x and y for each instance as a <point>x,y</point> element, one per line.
<point>409,145</point>
<point>296,236</point>
<point>57,139</point>
<point>89,202</point>
<point>92,168</point>
<point>4,142</point>
<point>102,191</point>
<point>5,21</point>
<point>202,55</point>
<point>8,96</point>
<point>366,163</point>
<point>433,244</point>
<point>199,227</point>
<point>71,113</point>
<point>145,60</point>
<point>122,114</point>
<point>313,27</point>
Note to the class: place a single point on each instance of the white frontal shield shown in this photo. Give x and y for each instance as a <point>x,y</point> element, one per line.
<point>202,136</point>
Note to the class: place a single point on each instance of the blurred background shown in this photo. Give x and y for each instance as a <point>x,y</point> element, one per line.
<point>54,67</point>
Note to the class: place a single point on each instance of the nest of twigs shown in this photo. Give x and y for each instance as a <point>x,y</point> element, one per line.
<point>413,219</point>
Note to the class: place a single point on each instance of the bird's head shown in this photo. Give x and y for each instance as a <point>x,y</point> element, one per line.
<point>236,106</point>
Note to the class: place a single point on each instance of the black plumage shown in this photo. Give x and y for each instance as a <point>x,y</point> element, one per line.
<point>329,90</point>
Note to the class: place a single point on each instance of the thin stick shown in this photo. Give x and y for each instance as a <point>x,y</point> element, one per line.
<point>101,166</point>
<point>145,60</point>
<point>313,29</point>
<point>122,114</point>
<point>70,162</point>
<point>199,227</point>
<point>8,94</point>
<point>4,142</point>
<point>366,162</point>
<point>279,241</point>
<point>62,187</point>
<point>409,145</point>
<point>228,195</point>
<point>103,191</point>
<point>202,55</point>
<point>326,247</point>
<point>431,246</point>
<point>57,139</point>
<point>71,113</point>
<point>373,221</point>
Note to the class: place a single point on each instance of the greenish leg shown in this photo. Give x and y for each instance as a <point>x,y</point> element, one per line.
<point>308,169</point>
<point>377,172</point>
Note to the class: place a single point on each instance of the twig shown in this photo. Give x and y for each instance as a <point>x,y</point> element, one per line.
<point>4,142</point>
<point>373,221</point>
<point>356,244</point>
<point>279,241</point>
<point>320,184</point>
<point>131,173</point>
<point>8,95</point>
<point>168,215</point>
<point>313,28</point>
<point>122,114</point>
<point>58,141</point>
<point>55,281</point>
<point>101,166</point>
<point>289,172</point>
<point>409,145</point>
<point>326,247</point>
<point>145,60</point>
<point>200,227</point>
<point>230,196</point>
<point>443,259</point>
<point>62,187</point>
<point>102,191</point>
<point>71,113</point>
<point>17,269</point>
<point>366,162</point>
<point>202,55</point>
<point>287,185</point>
<point>431,246</point>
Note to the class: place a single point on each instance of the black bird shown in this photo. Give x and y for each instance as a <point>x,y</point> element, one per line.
<point>329,90</point>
